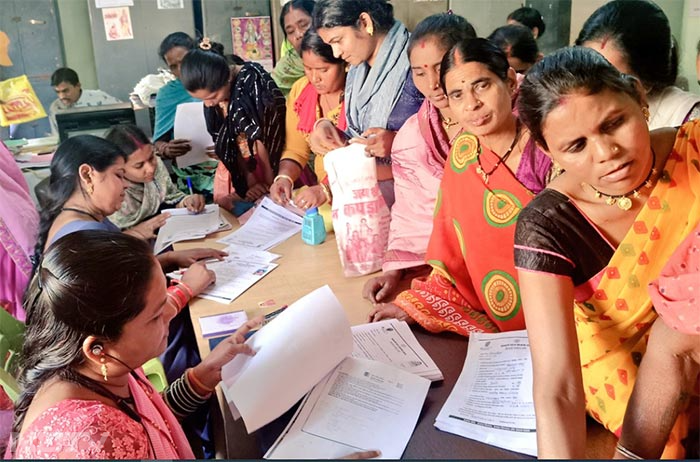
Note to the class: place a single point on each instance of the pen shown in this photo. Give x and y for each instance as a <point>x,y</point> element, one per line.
<point>189,185</point>
<point>270,316</point>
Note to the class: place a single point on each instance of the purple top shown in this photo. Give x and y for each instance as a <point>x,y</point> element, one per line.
<point>534,167</point>
<point>80,225</point>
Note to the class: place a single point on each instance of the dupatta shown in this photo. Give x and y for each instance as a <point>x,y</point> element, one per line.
<point>165,434</point>
<point>473,285</point>
<point>614,318</point>
<point>372,92</point>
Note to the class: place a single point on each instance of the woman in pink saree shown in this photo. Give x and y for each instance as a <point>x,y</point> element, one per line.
<point>93,318</point>
<point>19,221</point>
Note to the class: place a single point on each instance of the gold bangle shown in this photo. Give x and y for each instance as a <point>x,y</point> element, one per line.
<point>327,192</point>
<point>286,177</point>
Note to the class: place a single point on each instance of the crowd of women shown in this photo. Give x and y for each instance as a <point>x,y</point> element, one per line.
<point>561,193</point>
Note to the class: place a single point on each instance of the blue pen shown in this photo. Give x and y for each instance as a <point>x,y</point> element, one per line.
<point>189,185</point>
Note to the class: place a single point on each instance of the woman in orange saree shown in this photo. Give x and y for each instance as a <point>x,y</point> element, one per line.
<point>594,239</point>
<point>493,171</point>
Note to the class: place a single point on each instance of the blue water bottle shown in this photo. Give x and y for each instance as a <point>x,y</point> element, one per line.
<point>313,231</point>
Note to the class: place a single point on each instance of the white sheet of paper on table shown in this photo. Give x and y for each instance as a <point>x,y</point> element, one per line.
<point>265,386</point>
<point>191,125</point>
<point>183,225</point>
<point>269,225</point>
<point>361,405</point>
<point>492,399</point>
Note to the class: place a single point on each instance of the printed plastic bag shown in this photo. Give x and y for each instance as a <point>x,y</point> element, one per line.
<point>18,102</point>
<point>360,215</point>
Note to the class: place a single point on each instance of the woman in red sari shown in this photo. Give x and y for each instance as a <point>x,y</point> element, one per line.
<point>493,171</point>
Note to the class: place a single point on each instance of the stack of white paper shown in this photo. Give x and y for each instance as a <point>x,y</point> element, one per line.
<point>492,399</point>
<point>269,225</point>
<point>183,225</point>
<point>392,342</point>
<point>355,405</point>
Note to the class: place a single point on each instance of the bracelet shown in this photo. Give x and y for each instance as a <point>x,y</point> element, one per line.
<point>284,177</point>
<point>192,377</point>
<point>160,152</point>
<point>179,296</point>
<point>627,453</point>
<point>327,192</point>
<point>186,288</point>
<point>319,121</point>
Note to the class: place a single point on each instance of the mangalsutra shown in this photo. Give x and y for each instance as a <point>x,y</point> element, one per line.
<point>447,122</point>
<point>480,169</point>
<point>624,201</point>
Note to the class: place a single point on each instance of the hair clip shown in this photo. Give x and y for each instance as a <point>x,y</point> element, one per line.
<point>450,12</point>
<point>205,44</point>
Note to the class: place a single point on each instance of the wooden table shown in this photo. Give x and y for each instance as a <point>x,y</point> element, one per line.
<point>303,268</point>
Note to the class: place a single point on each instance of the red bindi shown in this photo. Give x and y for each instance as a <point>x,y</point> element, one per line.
<point>425,66</point>
<point>422,44</point>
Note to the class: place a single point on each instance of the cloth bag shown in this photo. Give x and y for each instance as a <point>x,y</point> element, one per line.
<point>360,216</point>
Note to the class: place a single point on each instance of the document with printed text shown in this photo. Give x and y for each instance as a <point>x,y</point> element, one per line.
<point>492,399</point>
<point>361,405</point>
<point>184,225</point>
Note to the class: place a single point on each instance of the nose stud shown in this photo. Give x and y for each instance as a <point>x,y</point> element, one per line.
<point>615,149</point>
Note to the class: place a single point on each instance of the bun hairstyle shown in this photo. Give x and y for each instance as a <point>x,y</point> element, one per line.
<point>516,41</point>
<point>205,67</point>
<point>566,71</point>
<point>447,29</point>
<point>72,297</point>
<point>641,31</point>
<point>342,13</point>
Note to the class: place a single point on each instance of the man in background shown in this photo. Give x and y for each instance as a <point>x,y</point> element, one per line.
<point>70,94</point>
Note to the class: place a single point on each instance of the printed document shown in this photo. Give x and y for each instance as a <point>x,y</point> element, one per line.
<point>190,125</point>
<point>293,353</point>
<point>269,225</point>
<point>392,342</point>
<point>361,405</point>
<point>184,225</point>
<point>492,399</point>
<point>233,277</point>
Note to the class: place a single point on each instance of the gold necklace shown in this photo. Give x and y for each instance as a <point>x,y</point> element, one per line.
<point>623,201</point>
<point>447,122</point>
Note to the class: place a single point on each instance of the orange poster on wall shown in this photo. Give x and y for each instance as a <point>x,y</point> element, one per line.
<point>18,102</point>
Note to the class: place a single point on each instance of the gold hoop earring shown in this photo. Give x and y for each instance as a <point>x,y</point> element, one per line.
<point>103,369</point>
<point>645,113</point>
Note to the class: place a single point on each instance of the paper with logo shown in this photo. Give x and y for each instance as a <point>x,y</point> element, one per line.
<point>492,399</point>
<point>293,353</point>
<point>361,405</point>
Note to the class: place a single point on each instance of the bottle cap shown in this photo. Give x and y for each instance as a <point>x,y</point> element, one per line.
<point>312,211</point>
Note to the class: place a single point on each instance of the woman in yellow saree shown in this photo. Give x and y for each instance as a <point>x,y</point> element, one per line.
<point>594,239</point>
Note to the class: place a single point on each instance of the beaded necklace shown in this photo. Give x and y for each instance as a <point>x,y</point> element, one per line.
<point>480,169</point>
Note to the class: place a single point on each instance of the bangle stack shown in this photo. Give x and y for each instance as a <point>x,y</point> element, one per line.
<point>284,177</point>
<point>197,382</point>
<point>181,293</point>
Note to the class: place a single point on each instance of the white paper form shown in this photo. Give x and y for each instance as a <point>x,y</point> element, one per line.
<point>492,399</point>
<point>190,125</point>
<point>293,353</point>
<point>392,342</point>
<point>184,225</point>
<point>270,225</point>
<point>233,277</point>
<point>361,405</point>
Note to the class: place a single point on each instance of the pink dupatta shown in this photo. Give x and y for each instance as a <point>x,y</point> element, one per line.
<point>418,159</point>
<point>164,431</point>
<point>19,222</point>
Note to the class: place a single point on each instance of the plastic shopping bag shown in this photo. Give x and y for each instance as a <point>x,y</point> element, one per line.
<point>19,103</point>
<point>360,215</point>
